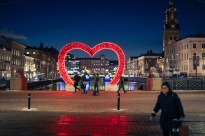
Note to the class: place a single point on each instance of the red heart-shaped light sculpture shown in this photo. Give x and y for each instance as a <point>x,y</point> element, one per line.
<point>91,52</point>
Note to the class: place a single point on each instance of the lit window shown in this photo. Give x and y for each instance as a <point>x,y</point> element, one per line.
<point>27,52</point>
<point>34,52</point>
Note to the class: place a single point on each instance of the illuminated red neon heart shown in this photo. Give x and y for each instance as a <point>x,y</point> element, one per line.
<point>91,51</point>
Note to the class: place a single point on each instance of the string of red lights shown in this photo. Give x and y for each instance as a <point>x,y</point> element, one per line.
<point>91,51</point>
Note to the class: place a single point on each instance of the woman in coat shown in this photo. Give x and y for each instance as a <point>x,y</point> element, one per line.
<point>171,108</point>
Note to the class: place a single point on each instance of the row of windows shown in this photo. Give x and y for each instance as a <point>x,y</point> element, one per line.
<point>202,55</point>
<point>185,67</point>
<point>42,56</point>
<point>101,64</point>
<point>16,52</point>
<point>31,53</point>
<point>203,67</point>
<point>17,62</point>
<point>185,56</point>
<point>183,47</point>
<point>202,46</point>
<point>99,69</point>
<point>4,67</point>
<point>180,57</point>
<point>94,67</point>
<point>171,38</point>
<point>5,57</point>
<point>90,61</point>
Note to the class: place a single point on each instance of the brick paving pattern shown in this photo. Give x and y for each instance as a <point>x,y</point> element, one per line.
<point>63,113</point>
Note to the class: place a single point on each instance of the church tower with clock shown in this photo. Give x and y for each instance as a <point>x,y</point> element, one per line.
<point>171,31</point>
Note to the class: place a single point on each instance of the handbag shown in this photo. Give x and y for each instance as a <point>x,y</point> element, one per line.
<point>184,130</point>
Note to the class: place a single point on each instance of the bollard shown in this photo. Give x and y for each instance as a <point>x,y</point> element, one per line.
<point>118,102</point>
<point>29,100</point>
<point>176,125</point>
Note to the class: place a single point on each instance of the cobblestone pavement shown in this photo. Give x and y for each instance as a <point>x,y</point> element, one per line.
<point>63,113</point>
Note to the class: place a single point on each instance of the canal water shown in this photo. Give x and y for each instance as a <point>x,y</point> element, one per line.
<point>89,86</point>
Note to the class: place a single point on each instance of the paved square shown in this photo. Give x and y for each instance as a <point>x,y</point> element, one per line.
<point>63,113</point>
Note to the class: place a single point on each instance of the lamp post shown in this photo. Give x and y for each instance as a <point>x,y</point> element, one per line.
<point>1,68</point>
<point>195,65</point>
<point>176,63</point>
<point>146,68</point>
<point>172,66</point>
<point>157,65</point>
<point>195,62</point>
<point>203,62</point>
<point>29,71</point>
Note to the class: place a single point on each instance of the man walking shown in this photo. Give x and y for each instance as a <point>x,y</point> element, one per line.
<point>121,84</point>
<point>76,80</point>
<point>96,80</point>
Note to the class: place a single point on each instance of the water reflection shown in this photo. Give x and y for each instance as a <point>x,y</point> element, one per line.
<point>90,86</point>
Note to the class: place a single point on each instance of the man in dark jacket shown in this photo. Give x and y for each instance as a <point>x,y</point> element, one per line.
<point>96,80</point>
<point>171,108</point>
<point>121,85</point>
<point>76,80</point>
<point>83,84</point>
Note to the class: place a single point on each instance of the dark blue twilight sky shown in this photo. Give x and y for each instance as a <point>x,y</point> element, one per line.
<point>135,25</point>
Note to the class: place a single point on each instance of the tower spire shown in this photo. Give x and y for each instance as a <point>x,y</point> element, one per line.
<point>170,3</point>
<point>171,32</point>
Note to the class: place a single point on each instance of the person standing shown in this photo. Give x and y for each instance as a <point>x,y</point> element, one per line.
<point>171,108</point>
<point>96,81</point>
<point>76,80</point>
<point>83,84</point>
<point>121,85</point>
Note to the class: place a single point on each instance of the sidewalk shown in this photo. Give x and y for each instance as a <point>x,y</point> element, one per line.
<point>65,113</point>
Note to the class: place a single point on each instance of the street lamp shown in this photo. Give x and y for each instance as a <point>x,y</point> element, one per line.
<point>172,65</point>
<point>203,60</point>
<point>146,67</point>
<point>29,72</point>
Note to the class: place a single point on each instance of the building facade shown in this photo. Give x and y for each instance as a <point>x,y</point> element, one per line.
<point>182,55</point>
<point>95,65</point>
<point>140,65</point>
<point>45,66</point>
<point>113,66</point>
<point>29,67</point>
<point>5,63</point>
<point>72,64</point>
<point>132,67</point>
<point>16,50</point>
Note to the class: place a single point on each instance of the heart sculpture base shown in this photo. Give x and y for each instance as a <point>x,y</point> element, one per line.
<point>70,88</point>
<point>111,87</point>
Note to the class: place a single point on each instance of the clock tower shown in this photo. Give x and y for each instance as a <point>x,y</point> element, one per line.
<point>171,31</point>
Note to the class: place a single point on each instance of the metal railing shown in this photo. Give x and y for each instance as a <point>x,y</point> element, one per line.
<point>186,84</point>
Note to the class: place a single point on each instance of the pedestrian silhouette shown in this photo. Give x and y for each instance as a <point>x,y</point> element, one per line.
<point>96,81</point>
<point>121,85</point>
<point>76,80</point>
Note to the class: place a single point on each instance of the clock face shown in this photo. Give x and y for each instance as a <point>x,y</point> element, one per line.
<point>173,26</point>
